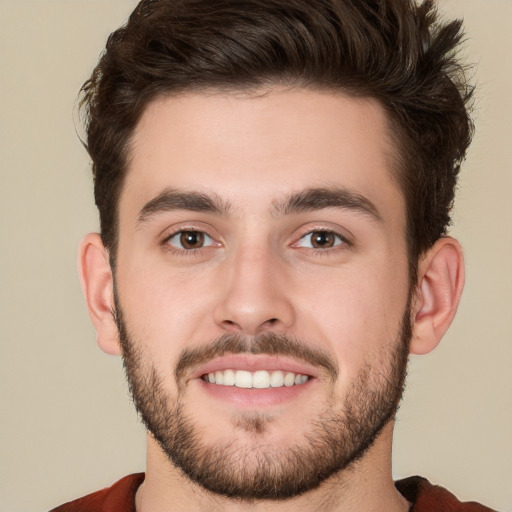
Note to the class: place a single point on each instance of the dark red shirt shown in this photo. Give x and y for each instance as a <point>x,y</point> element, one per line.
<point>419,491</point>
<point>426,497</point>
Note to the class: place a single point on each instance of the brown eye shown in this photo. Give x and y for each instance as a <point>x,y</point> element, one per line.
<point>188,240</point>
<point>191,239</point>
<point>322,239</point>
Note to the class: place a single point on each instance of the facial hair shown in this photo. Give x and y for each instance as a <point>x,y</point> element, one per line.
<point>336,439</point>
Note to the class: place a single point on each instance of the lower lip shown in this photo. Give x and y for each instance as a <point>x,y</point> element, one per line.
<point>254,397</point>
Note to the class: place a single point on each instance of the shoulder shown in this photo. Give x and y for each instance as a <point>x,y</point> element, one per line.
<point>427,497</point>
<point>118,497</point>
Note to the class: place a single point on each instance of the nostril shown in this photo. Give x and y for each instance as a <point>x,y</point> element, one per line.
<point>230,323</point>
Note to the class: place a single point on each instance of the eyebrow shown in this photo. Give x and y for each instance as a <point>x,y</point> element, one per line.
<point>320,198</point>
<point>171,200</point>
<point>300,202</point>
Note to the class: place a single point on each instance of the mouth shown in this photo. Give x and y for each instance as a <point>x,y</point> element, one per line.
<point>249,380</point>
<point>260,379</point>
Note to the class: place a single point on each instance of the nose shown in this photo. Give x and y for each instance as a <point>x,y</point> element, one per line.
<point>255,296</point>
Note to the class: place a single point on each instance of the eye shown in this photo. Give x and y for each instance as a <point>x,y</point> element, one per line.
<point>188,240</point>
<point>321,239</point>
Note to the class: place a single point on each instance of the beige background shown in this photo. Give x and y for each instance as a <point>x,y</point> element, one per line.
<point>66,423</point>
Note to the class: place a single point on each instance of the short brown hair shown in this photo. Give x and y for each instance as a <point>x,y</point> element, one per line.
<point>397,51</point>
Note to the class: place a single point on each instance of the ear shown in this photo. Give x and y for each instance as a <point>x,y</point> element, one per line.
<point>98,286</point>
<point>440,284</point>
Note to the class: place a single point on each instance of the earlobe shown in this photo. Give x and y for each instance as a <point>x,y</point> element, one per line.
<point>97,285</point>
<point>440,285</point>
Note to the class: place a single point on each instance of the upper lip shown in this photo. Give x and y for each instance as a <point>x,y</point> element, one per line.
<point>255,362</point>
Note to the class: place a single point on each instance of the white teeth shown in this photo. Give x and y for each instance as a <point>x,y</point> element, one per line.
<point>229,378</point>
<point>243,379</point>
<point>260,379</point>
<point>276,379</point>
<point>300,379</point>
<point>289,379</point>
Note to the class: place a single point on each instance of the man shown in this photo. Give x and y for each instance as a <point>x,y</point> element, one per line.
<point>274,180</point>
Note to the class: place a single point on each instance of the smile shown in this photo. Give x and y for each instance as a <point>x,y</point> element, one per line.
<point>260,379</point>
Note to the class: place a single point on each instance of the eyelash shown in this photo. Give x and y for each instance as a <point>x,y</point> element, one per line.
<point>182,251</point>
<point>342,243</point>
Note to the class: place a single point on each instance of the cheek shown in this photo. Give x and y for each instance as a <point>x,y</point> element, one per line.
<point>165,310</point>
<point>355,313</point>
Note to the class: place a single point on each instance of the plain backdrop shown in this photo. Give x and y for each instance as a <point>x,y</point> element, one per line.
<point>67,426</point>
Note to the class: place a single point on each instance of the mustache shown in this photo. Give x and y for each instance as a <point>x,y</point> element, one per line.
<point>268,343</point>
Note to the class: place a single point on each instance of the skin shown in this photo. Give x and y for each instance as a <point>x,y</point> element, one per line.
<point>258,273</point>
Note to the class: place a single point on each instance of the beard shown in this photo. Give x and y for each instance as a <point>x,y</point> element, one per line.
<point>335,440</point>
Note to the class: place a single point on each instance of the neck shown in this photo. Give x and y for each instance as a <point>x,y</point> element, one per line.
<point>366,486</point>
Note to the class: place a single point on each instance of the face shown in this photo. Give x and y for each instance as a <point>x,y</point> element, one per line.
<point>262,289</point>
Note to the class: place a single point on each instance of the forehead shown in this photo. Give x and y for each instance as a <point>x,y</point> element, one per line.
<point>250,149</point>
